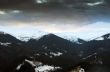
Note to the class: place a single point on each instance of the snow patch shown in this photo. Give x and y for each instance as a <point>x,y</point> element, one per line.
<point>56,54</point>
<point>81,70</point>
<point>37,54</point>
<point>5,44</point>
<point>50,56</point>
<point>30,62</point>
<point>34,63</point>
<point>39,67</point>
<point>46,68</point>
<point>18,67</point>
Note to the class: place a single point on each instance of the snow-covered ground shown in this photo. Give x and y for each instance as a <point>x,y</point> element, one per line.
<point>39,66</point>
<point>46,68</point>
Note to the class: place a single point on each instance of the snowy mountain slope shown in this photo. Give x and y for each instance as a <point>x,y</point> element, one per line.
<point>103,37</point>
<point>71,37</point>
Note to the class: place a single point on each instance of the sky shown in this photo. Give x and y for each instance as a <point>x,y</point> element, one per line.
<point>24,18</point>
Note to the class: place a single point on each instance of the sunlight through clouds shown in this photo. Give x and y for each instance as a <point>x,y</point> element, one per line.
<point>2,12</point>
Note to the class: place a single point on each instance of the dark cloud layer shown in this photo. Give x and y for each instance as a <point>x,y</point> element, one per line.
<point>48,3</point>
<point>77,12</point>
<point>56,17</point>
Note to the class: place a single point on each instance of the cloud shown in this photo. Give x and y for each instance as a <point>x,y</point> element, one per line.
<point>2,12</point>
<point>56,21</point>
<point>64,17</point>
<point>16,3</point>
<point>96,3</point>
<point>46,18</point>
<point>34,4</point>
<point>47,27</point>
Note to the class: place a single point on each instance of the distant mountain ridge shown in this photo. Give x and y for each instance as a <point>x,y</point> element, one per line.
<point>65,36</point>
<point>54,50</point>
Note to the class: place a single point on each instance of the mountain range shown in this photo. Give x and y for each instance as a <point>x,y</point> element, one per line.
<point>50,49</point>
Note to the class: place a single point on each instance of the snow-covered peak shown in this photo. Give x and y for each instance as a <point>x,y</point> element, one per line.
<point>104,37</point>
<point>23,33</point>
<point>69,36</point>
<point>27,37</point>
